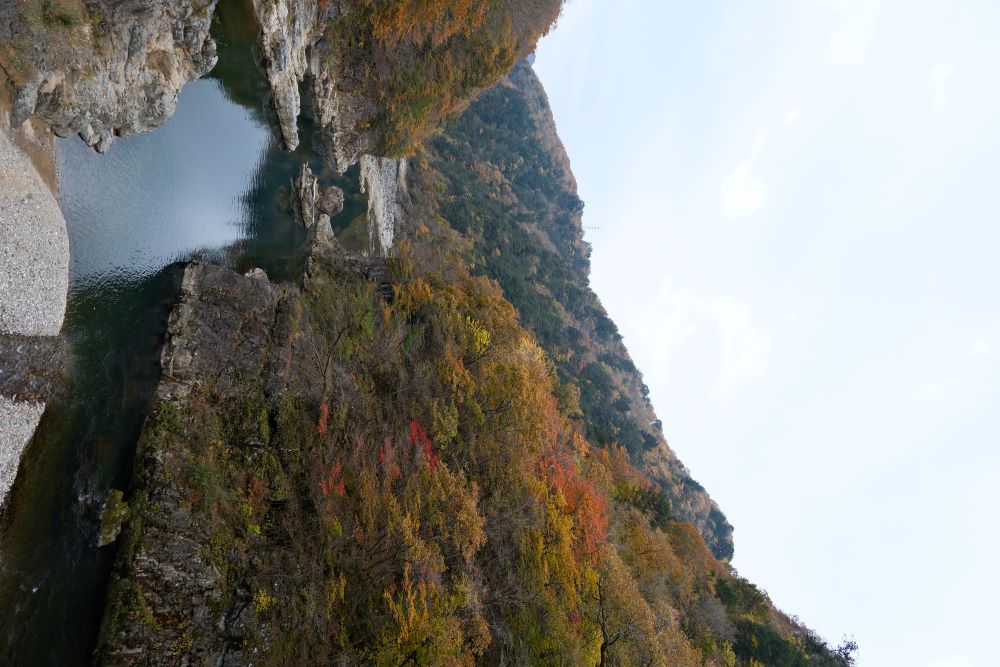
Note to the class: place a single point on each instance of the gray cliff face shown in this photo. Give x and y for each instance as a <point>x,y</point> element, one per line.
<point>384,180</point>
<point>339,114</point>
<point>294,51</point>
<point>115,73</point>
<point>167,572</point>
<point>287,27</point>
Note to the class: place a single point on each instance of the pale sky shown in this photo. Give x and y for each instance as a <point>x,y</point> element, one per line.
<point>799,213</point>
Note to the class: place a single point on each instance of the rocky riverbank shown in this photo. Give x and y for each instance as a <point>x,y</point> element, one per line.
<point>34,279</point>
<point>237,347</point>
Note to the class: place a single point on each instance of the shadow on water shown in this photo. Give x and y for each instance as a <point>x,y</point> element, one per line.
<point>245,86</point>
<point>52,575</point>
<point>208,184</point>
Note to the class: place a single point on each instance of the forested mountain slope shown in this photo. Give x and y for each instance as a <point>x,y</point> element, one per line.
<point>499,175</point>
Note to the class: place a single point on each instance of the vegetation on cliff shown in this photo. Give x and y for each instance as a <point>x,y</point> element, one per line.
<point>498,175</point>
<point>446,458</point>
<point>388,71</point>
<point>419,61</point>
<point>349,478</point>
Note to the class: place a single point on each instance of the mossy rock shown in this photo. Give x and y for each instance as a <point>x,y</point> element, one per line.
<point>112,517</point>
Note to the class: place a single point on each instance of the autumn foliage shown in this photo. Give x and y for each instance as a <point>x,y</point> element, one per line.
<point>579,498</point>
<point>423,485</point>
<point>421,60</point>
<point>422,444</point>
<point>413,492</point>
<point>423,497</point>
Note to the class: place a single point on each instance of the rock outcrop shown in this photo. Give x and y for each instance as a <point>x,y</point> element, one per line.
<point>220,336</point>
<point>312,204</point>
<point>305,196</point>
<point>331,200</point>
<point>113,70</point>
<point>384,180</point>
<point>30,373</point>
<point>288,27</point>
<point>295,50</point>
<point>235,345</point>
<point>18,421</point>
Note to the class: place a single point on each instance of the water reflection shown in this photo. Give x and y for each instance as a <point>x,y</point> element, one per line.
<point>158,198</point>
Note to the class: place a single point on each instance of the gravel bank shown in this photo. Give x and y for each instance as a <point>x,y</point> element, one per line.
<point>34,279</point>
<point>17,424</point>
<point>34,249</point>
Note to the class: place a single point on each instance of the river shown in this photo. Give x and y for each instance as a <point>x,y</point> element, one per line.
<point>209,184</point>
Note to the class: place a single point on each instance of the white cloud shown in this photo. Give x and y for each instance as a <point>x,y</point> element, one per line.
<point>953,375</point>
<point>793,115</point>
<point>851,42</point>
<point>979,349</point>
<point>850,45</point>
<point>935,389</point>
<point>942,88</point>
<point>677,311</point>
<point>742,349</point>
<point>744,193</point>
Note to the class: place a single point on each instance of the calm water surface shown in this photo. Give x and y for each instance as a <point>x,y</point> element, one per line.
<point>210,183</point>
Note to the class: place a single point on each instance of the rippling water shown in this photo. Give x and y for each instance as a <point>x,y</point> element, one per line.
<point>157,198</point>
<point>207,184</point>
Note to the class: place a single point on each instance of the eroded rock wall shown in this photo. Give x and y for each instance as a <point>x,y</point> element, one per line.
<point>222,335</point>
<point>296,50</point>
<point>111,68</point>
<point>288,27</point>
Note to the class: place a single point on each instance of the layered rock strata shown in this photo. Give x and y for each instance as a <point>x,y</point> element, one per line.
<point>115,70</point>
